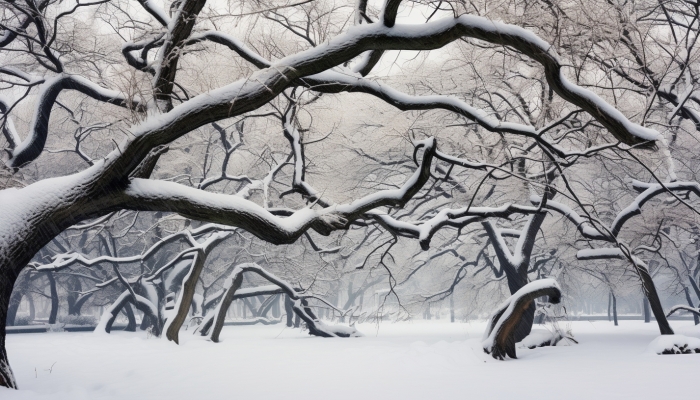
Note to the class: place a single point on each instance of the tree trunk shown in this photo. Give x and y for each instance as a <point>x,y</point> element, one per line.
<point>452,307</point>
<point>15,300</point>
<point>614,307</point>
<point>647,317</point>
<point>131,326</point>
<point>7,379</point>
<point>288,308</point>
<point>223,306</point>
<point>276,307</point>
<point>654,302</point>
<point>32,309</point>
<point>517,281</point>
<point>74,288</point>
<point>609,305</point>
<point>504,322</point>
<point>54,298</point>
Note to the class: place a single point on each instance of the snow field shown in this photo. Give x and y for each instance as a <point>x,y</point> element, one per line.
<point>418,360</point>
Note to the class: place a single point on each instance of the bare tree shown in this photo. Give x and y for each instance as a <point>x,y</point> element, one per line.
<point>158,110</point>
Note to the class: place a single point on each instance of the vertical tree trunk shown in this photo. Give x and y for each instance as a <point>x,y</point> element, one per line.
<point>614,307</point>
<point>74,288</point>
<point>609,305</point>
<point>131,326</point>
<point>276,307</point>
<point>15,300</point>
<point>647,317</point>
<point>452,307</point>
<point>288,308</point>
<point>54,298</point>
<point>654,302</point>
<point>223,306</point>
<point>7,281</point>
<point>32,309</point>
<point>516,281</point>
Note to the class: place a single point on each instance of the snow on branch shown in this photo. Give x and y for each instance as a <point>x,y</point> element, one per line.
<point>457,218</point>
<point>608,234</point>
<point>232,43</point>
<point>681,307</point>
<point>499,339</point>
<point>152,195</point>
<point>215,319</point>
<point>252,92</point>
<point>439,33</point>
<point>33,145</point>
<point>156,12</point>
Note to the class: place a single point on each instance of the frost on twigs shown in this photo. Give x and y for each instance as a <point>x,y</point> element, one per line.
<point>499,337</point>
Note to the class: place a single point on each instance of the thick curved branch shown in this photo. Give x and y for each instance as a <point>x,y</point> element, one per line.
<point>180,28</point>
<point>32,146</point>
<point>253,92</point>
<point>499,339</point>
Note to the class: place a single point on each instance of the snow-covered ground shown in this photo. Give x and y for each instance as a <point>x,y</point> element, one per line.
<point>419,360</point>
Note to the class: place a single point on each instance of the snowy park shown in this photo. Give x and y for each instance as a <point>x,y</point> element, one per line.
<point>401,360</point>
<point>313,199</point>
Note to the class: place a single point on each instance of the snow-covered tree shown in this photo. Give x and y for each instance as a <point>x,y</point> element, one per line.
<point>145,95</point>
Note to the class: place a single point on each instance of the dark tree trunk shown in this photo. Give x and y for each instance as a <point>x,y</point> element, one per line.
<point>614,307</point>
<point>79,303</point>
<point>7,379</point>
<point>131,326</point>
<point>54,298</point>
<point>609,305</point>
<point>288,308</point>
<point>516,281</point>
<point>74,289</point>
<point>32,309</point>
<point>145,323</point>
<point>276,307</point>
<point>223,307</point>
<point>654,302</point>
<point>504,341</point>
<point>647,317</point>
<point>18,292</point>
<point>15,301</point>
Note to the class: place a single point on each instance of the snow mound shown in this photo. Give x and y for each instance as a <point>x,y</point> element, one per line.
<point>541,338</point>
<point>674,344</point>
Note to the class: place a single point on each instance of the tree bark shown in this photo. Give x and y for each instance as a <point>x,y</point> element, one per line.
<point>74,288</point>
<point>131,326</point>
<point>654,302</point>
<point>647,316</point>
<point>54,298</point>
<point>504,341</point>
<point>288,304</point>
<point>7,378</point>
<point>223,307</point>
<point>614,307</point>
